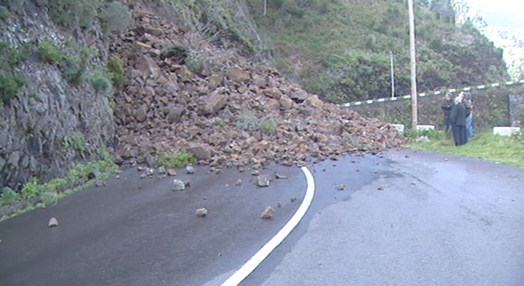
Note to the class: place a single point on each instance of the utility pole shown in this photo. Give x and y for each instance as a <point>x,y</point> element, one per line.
<point>392,75</point>
<point>414,95</point>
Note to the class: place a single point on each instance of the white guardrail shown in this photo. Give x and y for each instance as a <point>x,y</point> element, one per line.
<point>469,88</point>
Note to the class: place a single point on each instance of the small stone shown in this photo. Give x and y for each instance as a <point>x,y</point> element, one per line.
<point>187,184</point>
<point>217,171</point>
<point>239,182</point>
<point>293,199</point>
<point>117,177</point>
<point>171,172</point>
<point>178,185</point>
<point>255,172</point>
<point>52,222</point>
<point>141,168</point>
<point>190,169</point>
<point>381,188</point>
<point>143,176</point>
<point>161,170</point>
<point>279,176</point>
<point>94,174</point>
<point>341,187</point>
<point>201,212</point>
<point>150,172</point>
<point>241,169</point>
<point>279,204</point>
<point>99,184</point>
<point>268,213</point>
<point>263,181</point>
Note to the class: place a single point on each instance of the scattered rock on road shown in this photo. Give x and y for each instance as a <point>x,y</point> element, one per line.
<point>239,182</point>
<point>279,176</point>
<point>263,181</point>
<point>268,212</point>
<point>100,184</point>
<point>53,222</point>
<point>341,187</point>
<point>190,169</point>
<point>178,185</point>
<point>201,212</point>
<point>171,172</point>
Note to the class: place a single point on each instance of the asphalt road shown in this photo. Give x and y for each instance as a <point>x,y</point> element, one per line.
<point>404,218</point>
<point>139,232</point>
<point>431,219</point>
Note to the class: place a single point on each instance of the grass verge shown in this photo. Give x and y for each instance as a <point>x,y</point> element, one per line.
<point>500,149</point>
<point>36,195</point>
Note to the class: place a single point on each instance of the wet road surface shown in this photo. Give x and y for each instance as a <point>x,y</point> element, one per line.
<point>431,219</point>
<point>404,218</point>
<point>123,234</point>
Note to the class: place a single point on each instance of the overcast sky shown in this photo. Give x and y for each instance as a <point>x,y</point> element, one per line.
<point>514,6</point>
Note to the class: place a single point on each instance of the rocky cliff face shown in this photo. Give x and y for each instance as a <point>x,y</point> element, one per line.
<point>52,122</point>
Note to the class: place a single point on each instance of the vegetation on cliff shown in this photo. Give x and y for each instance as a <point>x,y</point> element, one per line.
<point>341,49</point>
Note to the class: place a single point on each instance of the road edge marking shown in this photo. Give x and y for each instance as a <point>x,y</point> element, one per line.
<point>264,252</point>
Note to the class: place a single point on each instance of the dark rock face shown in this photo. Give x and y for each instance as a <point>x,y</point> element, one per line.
<point>51,123</point>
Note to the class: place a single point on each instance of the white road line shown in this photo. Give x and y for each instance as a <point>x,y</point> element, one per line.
<point>250,266</point>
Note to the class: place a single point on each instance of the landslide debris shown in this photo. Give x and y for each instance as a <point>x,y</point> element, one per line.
<point>186,92</point>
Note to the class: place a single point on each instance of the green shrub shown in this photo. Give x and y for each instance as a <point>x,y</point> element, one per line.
<point>49,198</point>
<point>32,189</point>
<point>246,121</point>
<point>75,142</point>
<point>4,13</point>
<point>116,68</point>
<point>101,82</point>
<point>50,53</point>
<point>13,6</point>
<point>518,137</point>
<point>268,126</point>
<point>115,17</point>
<point>178,160</point>
<point>10,85</point>
<point>74,13</point>
<point>11,57</point>
<point>195,62</point>
<point>8,196</point>
<point>72,69</point>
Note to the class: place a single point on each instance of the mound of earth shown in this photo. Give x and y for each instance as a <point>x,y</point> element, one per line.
<point>186,92</point>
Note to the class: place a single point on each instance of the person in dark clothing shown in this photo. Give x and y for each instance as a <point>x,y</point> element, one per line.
<point>458,121</point>
<point>446,106</point>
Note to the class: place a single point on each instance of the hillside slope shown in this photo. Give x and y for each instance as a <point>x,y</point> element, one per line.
<point>341,49</point>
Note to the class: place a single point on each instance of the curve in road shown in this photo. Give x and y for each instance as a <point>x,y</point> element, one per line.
<point>252,264</point>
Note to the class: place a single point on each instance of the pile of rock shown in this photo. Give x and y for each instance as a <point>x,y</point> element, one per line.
<point>183,93</point>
